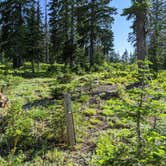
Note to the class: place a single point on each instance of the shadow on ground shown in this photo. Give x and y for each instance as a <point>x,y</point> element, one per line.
<point>39,103</point>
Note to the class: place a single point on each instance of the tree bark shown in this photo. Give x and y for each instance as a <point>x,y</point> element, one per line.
<point>33,65</point>
<point>140,29</point>
<point>141,37</point>
<point>92,35</point>
<point>47,58</point>
<point>17,58</point>
<point>17,62</point>
<point>72,34</point>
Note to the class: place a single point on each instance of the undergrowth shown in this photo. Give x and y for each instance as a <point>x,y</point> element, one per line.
<point>33,130</point>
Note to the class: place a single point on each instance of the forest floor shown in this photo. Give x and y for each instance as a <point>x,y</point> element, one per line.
<point>41,99</point>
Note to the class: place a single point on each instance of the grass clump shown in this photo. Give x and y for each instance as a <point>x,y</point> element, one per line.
<point>90,112</point>
<point>95,121</point>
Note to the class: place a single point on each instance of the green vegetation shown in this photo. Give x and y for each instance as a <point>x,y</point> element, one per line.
<point>33,129</point>
<point>118,101</point>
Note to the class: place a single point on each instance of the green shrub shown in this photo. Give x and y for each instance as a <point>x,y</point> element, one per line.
<point>24,130</point>
<point>58,91</point>
<point>95,121</point>
<point>64,79</point>
<point>90,112</point>
<point>18,129</point>
<point>84,98</point>
<point>107,112</point>
<point>119,147</point>
<point>56,69</point>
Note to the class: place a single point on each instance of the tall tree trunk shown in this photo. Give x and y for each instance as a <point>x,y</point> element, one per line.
<point>17,58</point>
<point>91,50</point>
<point>17,62</point>
<point>141,37</point>
<point>140,28</point>
<point>92,37</point>
<point>66,55</point>
<point>156,38</point>
<point>47,58</point>
<point>72,33</point>
<point>33,65</point>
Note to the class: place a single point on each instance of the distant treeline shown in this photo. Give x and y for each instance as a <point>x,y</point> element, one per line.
<point>79,32</point>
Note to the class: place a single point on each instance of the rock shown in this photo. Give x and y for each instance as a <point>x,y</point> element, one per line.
<point>4,102</point>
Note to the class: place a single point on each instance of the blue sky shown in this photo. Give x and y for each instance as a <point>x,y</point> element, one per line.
<point>121,27</point>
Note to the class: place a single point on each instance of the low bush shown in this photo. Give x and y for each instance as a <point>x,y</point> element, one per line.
<point>27,130</point>
<point>119,147</point>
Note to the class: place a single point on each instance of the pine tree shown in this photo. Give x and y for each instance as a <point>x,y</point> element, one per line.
<point>156,35</point>
<point>55,30</point>
<point>125,57</point>
<point>62,30</point>
<point>107,39</point>
<point>13,30</point>
<point>163,36</point>
<point>138,11</point>
<point>39,33</point>
<point>80,25</point>
<point>114,57</point>
<point>1,52</point>
<point>132,57</point>
<point>46,43</point>
<point>94,26</point>
<point>34,34</point>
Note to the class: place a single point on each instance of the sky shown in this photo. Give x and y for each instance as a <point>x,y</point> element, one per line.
<point>121,27</point>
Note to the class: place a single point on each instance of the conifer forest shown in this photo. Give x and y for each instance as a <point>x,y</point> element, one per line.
<point>68,97</point>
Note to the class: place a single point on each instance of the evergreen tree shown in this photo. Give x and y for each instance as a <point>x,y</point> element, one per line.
<point>55,29</point>
<point>46,43</point>
<point>80,24</point>
<point>13,30</point>
<point>114,57</point>
<point>34,34</point>
<point>62,30</point>
<point>138,11</point>
<point>156,35</point>
<point>39,33</point>
<point>94,26</point>
<point>125,57</point>
<point>132,57</point>
<point>107,39</point>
